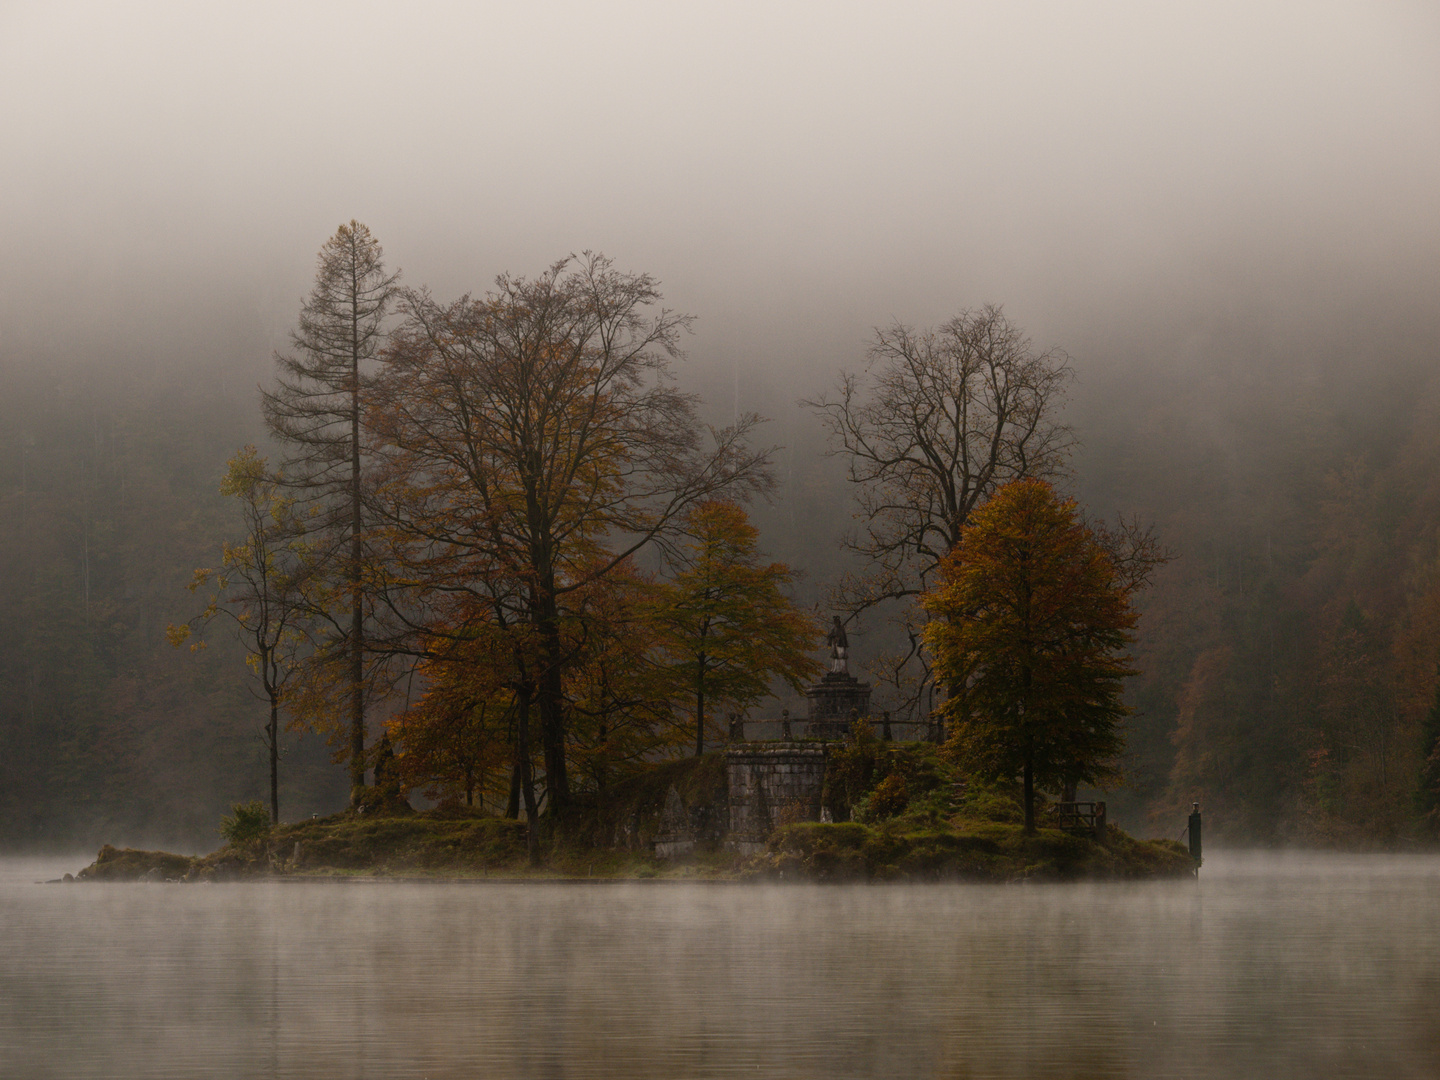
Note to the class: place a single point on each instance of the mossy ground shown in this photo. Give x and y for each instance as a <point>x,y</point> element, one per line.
<point>914,820</point>
<point>916,849</point>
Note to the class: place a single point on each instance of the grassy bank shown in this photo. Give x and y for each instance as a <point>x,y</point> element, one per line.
<point>421,846</point>
<point>910,817</point>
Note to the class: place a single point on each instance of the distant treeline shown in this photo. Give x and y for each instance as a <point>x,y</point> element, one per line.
<point>108,501</point>
<point>1289,655</point>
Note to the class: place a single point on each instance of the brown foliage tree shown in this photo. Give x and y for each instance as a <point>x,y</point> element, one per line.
<point>1033,621</point>
<point>730,626</point>
<point>457,741</point>
<point>533,435</point>
<point>259,587</point>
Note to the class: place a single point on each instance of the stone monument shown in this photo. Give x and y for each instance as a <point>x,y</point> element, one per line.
<point>838,697</point>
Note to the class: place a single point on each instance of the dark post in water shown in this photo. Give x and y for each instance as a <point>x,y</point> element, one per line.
<point>1195,834</point>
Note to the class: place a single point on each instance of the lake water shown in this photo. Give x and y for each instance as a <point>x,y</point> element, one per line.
<point>1272,966</point>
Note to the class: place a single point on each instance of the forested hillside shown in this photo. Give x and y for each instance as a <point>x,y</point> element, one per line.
<point>108,501</point>
<point>1289,653</point>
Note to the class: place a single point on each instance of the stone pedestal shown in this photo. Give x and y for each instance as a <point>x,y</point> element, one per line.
<point>834,700</point>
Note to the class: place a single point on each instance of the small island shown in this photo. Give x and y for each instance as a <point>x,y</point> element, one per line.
<point>880,811</point>
<point>529,626</point>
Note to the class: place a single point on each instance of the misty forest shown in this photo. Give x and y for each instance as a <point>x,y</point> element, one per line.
<point>413,474</point>
<point>1285,656</point>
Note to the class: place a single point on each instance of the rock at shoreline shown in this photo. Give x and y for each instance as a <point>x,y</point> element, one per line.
<point>128,864</point>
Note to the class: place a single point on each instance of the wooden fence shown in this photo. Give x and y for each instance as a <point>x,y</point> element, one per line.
<point>1080,817</point>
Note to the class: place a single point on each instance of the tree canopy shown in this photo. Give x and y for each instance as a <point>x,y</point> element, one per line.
<point>260,589</point>
<point>1262,694</point>
<point>730,626</point>
<point>315,411</point>
<point>532,443</point>
<point>1032,623</point>
<point>939,420</point>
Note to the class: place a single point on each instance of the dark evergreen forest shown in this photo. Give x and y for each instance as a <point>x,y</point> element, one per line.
<point>110,501</point>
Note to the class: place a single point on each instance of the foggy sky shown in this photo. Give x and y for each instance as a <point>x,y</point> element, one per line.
<point>1115,174</point>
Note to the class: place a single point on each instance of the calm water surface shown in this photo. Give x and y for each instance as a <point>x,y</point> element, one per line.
<point>1274,966</point>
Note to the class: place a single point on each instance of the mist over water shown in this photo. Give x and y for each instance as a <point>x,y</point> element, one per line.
<point>1275,965</point>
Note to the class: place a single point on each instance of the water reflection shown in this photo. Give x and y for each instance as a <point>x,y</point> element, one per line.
<point>1271,967</point>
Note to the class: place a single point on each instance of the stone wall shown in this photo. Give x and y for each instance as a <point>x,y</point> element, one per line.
<point>771,784</point>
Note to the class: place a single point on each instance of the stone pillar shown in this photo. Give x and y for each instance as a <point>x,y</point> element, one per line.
<point>834,701</point>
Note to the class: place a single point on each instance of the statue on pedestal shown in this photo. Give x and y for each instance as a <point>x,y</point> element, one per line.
<point>839,648</point>
<point>838,697</point>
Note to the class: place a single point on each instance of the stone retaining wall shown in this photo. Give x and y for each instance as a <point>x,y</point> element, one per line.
<point>771,784</point>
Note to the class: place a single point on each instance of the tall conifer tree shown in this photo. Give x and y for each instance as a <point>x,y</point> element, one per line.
<point>314,410</point>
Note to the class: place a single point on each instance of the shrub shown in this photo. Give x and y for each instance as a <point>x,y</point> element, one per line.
<point>910,774</point>
<point>246,823</point>
<point>890,797</point>
<point>850,772</point>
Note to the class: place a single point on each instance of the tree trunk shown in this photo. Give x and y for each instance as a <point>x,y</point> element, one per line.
<point>273,731</point>
<point>1029,799</point>
<point>1023,706</point>
<point>527,781</point>
<point>700,708</point>
<point>602,774</point>
<point>512,804</point>
<point>357,604</point>
<point>552,715</point>
<point>357,701</point>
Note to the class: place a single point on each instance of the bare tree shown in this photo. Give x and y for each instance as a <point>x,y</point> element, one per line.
<point>938,421</point>
<point>259,587</point>
<point>315,411</point>
<point>533,436</point>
